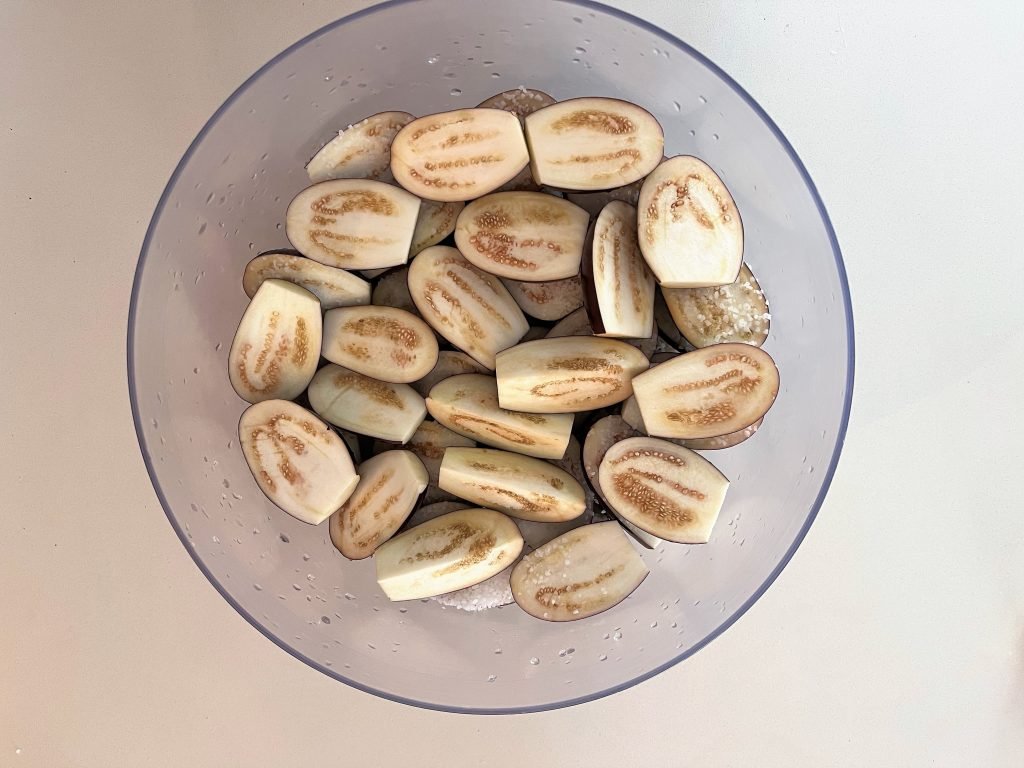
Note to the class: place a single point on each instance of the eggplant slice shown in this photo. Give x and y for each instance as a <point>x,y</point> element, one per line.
<point>353,223</point>
<point>469,307</point>
<point>581,573</point>
<point>361,151</point>
<point>389,485</point>
<point>521,486</point>
<point>435,222</point>
<point>737,312</point>
<point>381,342</point>
<point>447,553</point>
<point>690,231</point>
<point>713,391</point>
<point>662,488</point>
<point>429,443</point>
<point>460,155</point>
<point>619,288</point>
<point>468,404</point>
<point>297,460</point>
<point>333,287</point>
<point>593,144</point>
<point>277,344</point>
<point>566,375</point>
<point>549,300</point>
<point>367,406</point>
<point>523,235</point>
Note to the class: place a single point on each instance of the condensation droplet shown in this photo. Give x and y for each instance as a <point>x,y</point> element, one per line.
<point>491,678</point>
<point>579,50</point>
<point>617,635</point>
<point>455,92</point>
<point>693,132</point>
<point>495,75</point>
<point>677,106</point>
<point>702,99</point>
<point>257,587</point>
<point>284,537</point>
<point>534,661</point>
<point>715,136</point>
<point>434,59</point>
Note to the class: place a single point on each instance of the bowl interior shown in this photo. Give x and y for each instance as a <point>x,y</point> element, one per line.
<point>226,202</point>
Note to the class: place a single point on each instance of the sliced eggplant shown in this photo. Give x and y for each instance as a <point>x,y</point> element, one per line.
<point>459,155</point>
<point>521,486</point>
<point>333,287</point>
<point>594,202</point>
<point>435,222</point>
<point>468,404</point>
<point>593,143</point>
<point>713,391</point>
<point>548,300</point>
<point>605,433</point>
<point>523,235</point>
<point>361,151</point>
<point>569,374</point>
<point>737,312</point>
<point>449,363</point>
<point>576,323</point>
<point>277,345</point>
<point>392,290</point>
<point>662,488</point>
<point>429,444</point>
<point>466,305</point>
<point>353,223</point>
<point>389,485</point>
<point>447,553</point>
<point>381,342</point>
<point>690,231</point>
<point>619,288</point>
<point>297,460</point>
<point>579,574</point>
<point>367,406</point>
<point>519,101</point>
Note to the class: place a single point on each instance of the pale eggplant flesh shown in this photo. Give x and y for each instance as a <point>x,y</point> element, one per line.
<point>332,286</point>
<point>361,151</point>
<point>298,461</point>
<point>381,342</point>
<point>365,405</point>
<point>579,574</point>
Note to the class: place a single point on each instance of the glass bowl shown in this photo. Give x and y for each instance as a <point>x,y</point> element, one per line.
<point>225,202</point>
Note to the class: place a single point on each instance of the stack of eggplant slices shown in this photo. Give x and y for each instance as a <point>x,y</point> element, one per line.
<point>500,338</point>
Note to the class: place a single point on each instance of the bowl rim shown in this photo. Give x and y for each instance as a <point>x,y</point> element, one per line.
<point>568,702</point>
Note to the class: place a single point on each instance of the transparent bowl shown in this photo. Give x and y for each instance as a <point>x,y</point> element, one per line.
<point>226,201</point>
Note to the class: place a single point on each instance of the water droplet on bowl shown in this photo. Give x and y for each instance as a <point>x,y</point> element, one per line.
<point>455,92</point>
<point>702,99</point>
<point>534,661</point>
<point>434,59</point>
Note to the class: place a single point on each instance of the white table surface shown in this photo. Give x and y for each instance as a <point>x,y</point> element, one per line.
<point>894,638</point>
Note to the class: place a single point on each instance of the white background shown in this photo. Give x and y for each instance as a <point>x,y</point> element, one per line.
<point>894,638</point>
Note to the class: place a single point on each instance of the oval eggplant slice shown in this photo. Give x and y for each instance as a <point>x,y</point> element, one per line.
<point>353,223</point>
<point>710,392</point>
<point>277,344</point>
<point>361,151</point>
<point>737,312</point>
<point>389,485</point>
<point>579,373</point>
<point>519,101</point>
<point>459,155</point>
<point>576,323</point>
<point>450,552</point>
<point>664,489</point>
<point>521,486</point>
<point>367,406</point>
<point>468,405</point>
<point>548,300</point>
<point>466,305</point>
<point>690,231</point>
<point>605,433</point>
<point>381,342</point>
<point>298,461</point>
<point>537,534</point>
<point>523,235</point>
<point>593,143</point>
<point>435,222</point>
<point>449,363</point>
<point>429,443</point>
<point>619,286</point>
<point>579,574</point>
<point>333,287</point>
